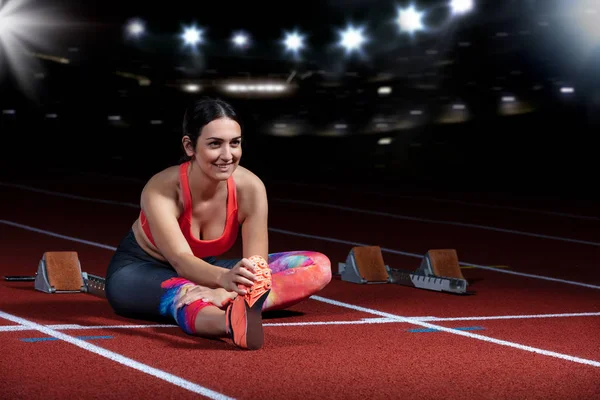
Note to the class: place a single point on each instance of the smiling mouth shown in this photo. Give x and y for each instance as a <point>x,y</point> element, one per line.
<point>223,166</point>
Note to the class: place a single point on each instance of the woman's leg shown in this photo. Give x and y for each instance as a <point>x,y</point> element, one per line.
<point>148,292</point>
<point>197,318</point>
<point>296,275</point>
<point>141,287</point>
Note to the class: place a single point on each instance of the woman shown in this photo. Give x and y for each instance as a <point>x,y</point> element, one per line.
<point>166,265</point>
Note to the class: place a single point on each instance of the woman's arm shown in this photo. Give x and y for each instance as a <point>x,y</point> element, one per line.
<point>255,234</point>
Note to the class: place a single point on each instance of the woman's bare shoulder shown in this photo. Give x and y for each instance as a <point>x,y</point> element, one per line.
<point>250,190</point>
<point>247,180</point>
<point>166,181</point>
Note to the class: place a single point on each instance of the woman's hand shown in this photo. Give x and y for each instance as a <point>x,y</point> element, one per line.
<point>241,274</point>
<point>219,297</point>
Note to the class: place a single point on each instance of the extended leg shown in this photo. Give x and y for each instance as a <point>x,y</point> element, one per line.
<point>197,318</point>
<point>296,276</point>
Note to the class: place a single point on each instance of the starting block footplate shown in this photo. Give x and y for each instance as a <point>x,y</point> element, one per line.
<point>60,272</point>
<point>439,270</point>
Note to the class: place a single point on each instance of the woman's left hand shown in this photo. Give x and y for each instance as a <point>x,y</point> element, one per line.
<point>219,297</point>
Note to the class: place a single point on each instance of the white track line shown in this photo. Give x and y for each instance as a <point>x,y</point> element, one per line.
<point>57,235</point>
<point>97,174</point>
<point>459,332</point>
<point>364,321</point>
<point>322,238</point>
<point>369,311</point>
<point>126,361</point>
<point>331,206</point>
<point>453,201</point>
<point>435,221</point>
<point>64,327</point>
<point>531,316</point>
<point>399,196</point>
<point>432,319</point>
<point>69,196</point>
<point>403,253</point>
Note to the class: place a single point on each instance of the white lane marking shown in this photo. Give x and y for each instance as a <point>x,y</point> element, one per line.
<point>427,325</point>
<point>530,316</point>
<point>436,221</point>
<point>64,327</point>
<point>439,319</point>
<point>60,327</point>
<point>488,339</point>
<point>322,238</point>
<point>332,206</point>
<point>126,361</point>
<point>453,201</point>
<point>404,253</point>
<point>399,196</point>
<point>69,196</point>
<point>56,235</point>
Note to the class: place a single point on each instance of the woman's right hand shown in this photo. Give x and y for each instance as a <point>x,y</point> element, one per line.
<point>241,274</point>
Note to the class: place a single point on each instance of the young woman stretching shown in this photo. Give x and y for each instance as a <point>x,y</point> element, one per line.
<point>166,266</point>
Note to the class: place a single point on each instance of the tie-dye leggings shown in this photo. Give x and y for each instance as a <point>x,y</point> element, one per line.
<point>296,275</point>
<point>139,286</point>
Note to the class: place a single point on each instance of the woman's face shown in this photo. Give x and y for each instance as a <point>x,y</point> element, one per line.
<point>219,148</point>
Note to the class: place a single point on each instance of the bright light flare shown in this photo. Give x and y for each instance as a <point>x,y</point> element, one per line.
<point>352,38</point>
<point>25,28</point>
<point>461,6</point>
<point>409,19</point>
<point>241,40</point>
<point>293,42</point>
<point>135,28</point>
<point>567,90</point>
<point>192,36</point>
<point>191,88</point>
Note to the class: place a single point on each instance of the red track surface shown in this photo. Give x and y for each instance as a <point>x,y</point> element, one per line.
<point>338,361</point>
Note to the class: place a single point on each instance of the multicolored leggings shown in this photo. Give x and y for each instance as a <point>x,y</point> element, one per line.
<point>296,275</point>
<point>142,287</point>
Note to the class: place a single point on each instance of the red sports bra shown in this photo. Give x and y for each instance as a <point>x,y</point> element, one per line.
<point>203,248</point>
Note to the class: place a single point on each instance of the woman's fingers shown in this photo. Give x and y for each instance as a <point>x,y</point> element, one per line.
<point>244,281</point>
<point>241,274</point>
<point>248,264</point>
<point>196,293</point>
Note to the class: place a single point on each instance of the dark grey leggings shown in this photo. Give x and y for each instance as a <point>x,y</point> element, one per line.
<point>134,277</point>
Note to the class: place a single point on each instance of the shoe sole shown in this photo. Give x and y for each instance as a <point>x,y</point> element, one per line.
<point>254,329</point>
<point>253,336</point>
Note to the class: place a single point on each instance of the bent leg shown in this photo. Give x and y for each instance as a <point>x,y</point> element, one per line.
<point>197,318</point>
<point>134,291</point>
<point>142,287</point>
<point>296,275</point>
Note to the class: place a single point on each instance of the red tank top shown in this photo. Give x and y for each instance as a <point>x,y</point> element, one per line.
<point>203,248</point>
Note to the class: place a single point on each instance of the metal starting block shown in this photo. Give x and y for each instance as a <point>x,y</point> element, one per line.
<point>60,272</point>
<point>439,270</point>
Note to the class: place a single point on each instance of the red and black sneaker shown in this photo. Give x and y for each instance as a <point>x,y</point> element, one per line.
<point>244,314</point>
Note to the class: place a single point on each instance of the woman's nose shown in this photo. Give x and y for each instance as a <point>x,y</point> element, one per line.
<point>226,153</point>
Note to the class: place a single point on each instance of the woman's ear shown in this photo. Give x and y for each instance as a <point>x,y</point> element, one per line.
<point>188,146</point>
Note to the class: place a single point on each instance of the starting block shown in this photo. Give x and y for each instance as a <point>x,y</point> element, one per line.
<point>60,272</point>
<point>439,270</point>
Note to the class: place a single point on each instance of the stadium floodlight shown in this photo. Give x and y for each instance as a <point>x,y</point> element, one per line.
<point>241,40</point>
<point>352,38</point>
<point>567,90</point>
<point>135,28</point>
<point>293,41</point>
<point>192,36</point>
<point>409,19</point>
<point>461,6</point>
